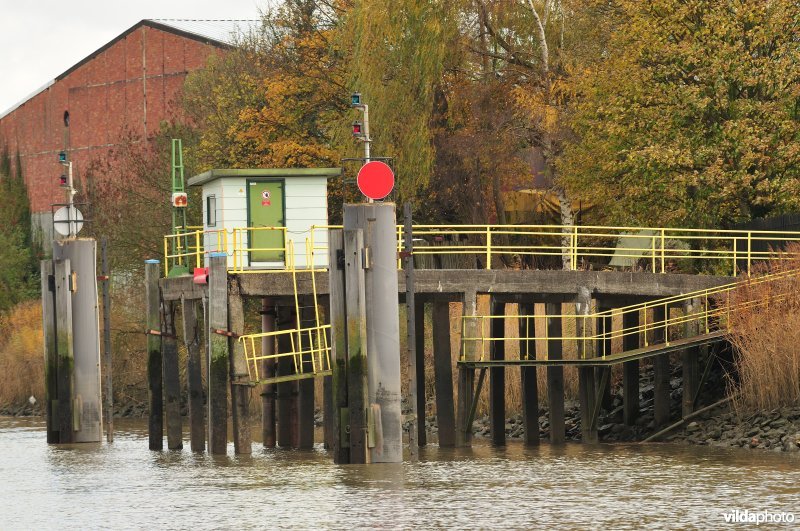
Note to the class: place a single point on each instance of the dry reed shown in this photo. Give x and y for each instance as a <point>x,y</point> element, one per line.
<point>765,337</point>
<point>21,357</point>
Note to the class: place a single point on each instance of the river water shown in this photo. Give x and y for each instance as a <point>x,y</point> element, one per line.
<point>125,486</point>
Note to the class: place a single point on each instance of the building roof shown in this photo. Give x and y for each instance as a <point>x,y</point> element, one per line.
<point>216,32</point>
<point>213,175</point>
<point>222,31</point>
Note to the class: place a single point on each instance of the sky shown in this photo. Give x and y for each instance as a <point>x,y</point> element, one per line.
<point>40,39</point>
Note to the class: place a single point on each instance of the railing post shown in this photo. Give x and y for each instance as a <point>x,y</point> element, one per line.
<point>199,249</point>
<point>488,247</point>
<point>663,258</point>
<point>574,261</point>
<point>749,248</point>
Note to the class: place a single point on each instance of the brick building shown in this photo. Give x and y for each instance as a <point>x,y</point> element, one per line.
<point>127,86</point>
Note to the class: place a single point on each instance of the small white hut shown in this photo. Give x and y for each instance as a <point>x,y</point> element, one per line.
<point>256,215</point>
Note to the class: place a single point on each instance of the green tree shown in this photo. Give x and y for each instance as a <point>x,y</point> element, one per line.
<point>18,251</point>
<point>693,117</point>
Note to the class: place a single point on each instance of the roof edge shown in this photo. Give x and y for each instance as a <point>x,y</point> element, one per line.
<point>144,22</point>
<point>213,175</point>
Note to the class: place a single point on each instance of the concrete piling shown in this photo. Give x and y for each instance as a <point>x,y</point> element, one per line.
<point>172,383</point>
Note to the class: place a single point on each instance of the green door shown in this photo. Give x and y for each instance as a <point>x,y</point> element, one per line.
<point>265,208</point>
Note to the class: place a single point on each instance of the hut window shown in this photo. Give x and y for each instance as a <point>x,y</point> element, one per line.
<point>211,211</point>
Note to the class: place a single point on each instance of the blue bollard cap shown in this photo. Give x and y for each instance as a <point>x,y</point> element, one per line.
<point>152,261</point>
<point>218,255</point>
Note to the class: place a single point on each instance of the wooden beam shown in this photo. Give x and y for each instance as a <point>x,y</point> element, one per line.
<point>466,375</point>
<point>555,375</point>
<point>219,362</point>
<point>443,374</point>
<point>341,444</point>
<point>690,358</point>
<point>419,353</point>
<point>530,390</point>
<point>661,374</point>
<point>630,370</point>
<point>305,388</point>
<point>154,371</point>
<point>194,373</point>
<point>411,334</point>
<point>172,382</point>
<point>239,376</point>
<point>50,350</point>
<point>497,375</point>
<point>355,301</point>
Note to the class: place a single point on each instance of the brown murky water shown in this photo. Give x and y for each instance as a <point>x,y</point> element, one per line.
<point>125,486</point>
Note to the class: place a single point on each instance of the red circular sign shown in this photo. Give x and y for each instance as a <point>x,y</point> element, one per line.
<point>375,179</point>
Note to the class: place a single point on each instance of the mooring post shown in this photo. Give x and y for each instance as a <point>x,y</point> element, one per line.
<point>443,373</point>
<point>411,333</point>
<point>305,387</point>
<point>154,364</point>
<point>108,381</point>
<point>586,384</point>
<point>661,372</point>
<point>530,390</point>
<point>239,376</point>
<point>355,302</point>
<point>630,369</point>
<point>268,371</point>
<point>218,354</point>
<point>341,438</point>
<point>172,382</point>
<point>83,336</point>
<point>419,348</point>
<point>690,357</point>
<point>497,375</point>
<point>555,374</point>
<point>378,222</point>
<point>466,375</point>
<point>50,350</point>
<point>194,374</point>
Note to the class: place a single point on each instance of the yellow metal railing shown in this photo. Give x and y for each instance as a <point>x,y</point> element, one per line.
<point>308,348</point>
<point>310,354</point>
<point>704,311</point>
<point>659,249</point>
<point>724,252</point>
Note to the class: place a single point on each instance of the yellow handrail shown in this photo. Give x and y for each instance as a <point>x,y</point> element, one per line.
<point>657,247</point>
<point>710,314</point>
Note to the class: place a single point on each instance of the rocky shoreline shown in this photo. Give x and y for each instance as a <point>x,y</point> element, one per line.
<point>776,430</point>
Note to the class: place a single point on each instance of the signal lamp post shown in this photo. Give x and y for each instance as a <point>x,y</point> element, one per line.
<point>361,131</point>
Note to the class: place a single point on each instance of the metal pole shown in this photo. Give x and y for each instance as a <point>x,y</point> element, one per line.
<point>367,139</point>
<point>109,406</point>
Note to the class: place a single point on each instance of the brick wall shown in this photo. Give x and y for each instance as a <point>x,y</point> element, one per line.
<point>132,84</point>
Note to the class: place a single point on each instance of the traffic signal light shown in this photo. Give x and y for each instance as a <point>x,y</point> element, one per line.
<point>62,157</point>
<point>355,99</point>
<point>63,181</point>
<point>357,128</point>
